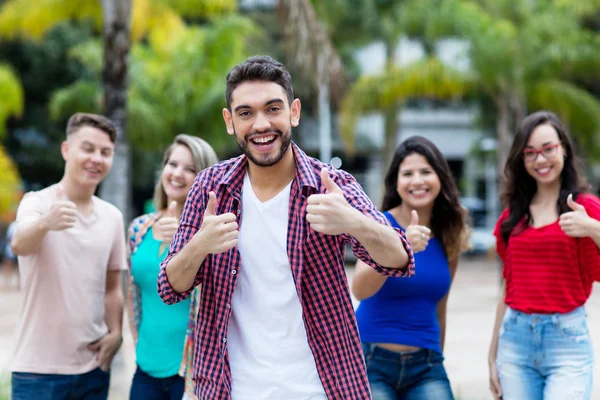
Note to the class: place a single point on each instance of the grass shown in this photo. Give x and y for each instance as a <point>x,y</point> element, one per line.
<point>5,387</point>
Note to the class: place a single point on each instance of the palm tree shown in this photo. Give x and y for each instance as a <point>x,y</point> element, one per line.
<point>310,49</point>
<point>428,78</point>
<point>116,17</point>
<point>525,55</point>
<point>158,106</point>
<point>22,17</point>
<point>358,22</point>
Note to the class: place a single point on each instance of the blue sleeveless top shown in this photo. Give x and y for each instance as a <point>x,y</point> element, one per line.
<point>403,311</point>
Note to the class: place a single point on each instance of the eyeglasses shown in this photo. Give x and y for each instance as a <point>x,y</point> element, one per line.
<point>548,151</point>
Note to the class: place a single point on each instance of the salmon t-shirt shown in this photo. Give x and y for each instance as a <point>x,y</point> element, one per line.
<point>64,284</point>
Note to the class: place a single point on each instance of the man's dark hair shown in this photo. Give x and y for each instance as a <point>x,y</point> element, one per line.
<point>79,120</point>
<point>259,68</point>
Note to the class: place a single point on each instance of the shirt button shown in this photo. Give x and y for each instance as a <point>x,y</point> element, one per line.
<point>233,271</point>
<point>239,211</point>
<point>224,340</point>
<point>228,305</point>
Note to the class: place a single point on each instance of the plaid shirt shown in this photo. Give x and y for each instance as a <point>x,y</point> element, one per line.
<point>317,266</point>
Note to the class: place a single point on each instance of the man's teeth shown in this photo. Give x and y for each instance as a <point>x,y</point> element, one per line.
<point>263,139</point>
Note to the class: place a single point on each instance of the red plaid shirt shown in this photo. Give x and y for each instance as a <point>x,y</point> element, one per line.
<point>317,265</point>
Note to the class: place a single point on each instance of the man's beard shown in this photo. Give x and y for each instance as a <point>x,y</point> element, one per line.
<point>286,140</point>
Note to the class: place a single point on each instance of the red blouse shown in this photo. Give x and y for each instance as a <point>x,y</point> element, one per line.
<point>547,271</point>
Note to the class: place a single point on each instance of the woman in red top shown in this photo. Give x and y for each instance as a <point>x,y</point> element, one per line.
<point>549,239</point>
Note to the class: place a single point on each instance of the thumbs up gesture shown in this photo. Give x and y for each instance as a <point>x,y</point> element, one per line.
<point>417,235</point>
<point>218,233</point>
<point>329,212</point>
<point>62,213</point>
<point>576,223</point>
<point>167,224</point>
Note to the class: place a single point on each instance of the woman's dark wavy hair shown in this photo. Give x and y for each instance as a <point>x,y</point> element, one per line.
<point>448,217</point>
<point>519,187</point>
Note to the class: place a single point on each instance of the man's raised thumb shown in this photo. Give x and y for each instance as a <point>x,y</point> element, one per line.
<point>414,220</point>
<point>60,192</point>
<point>211,206</point>
<point>573,205</point>
<point>172,210</point>
<point>330,185</point>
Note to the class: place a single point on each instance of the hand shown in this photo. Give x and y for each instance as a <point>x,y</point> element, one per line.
<point>167,224</point>
<point>62,213</point>
<point>417,235</point>
<point>494,381</point>
<point>218,233</point>
<point>575,223</point>
<point>105,349</point>
<point>329,213</point>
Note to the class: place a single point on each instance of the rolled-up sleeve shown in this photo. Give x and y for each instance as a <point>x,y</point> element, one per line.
<point>191,220</point>
<point>357,198</point>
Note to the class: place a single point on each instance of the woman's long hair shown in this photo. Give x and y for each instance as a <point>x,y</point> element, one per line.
<point>448,217</point>
<point>203,156</point>
<point>519,187</point>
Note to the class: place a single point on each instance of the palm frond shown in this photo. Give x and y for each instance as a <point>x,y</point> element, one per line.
<point>12,99</point>
<point>10,188</point>
<point>34,19</point>
<point>82,95</point>
<point>576,107</point>
<point>428,78</point>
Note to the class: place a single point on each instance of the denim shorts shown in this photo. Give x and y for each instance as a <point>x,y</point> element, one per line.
<point>545,356</point>
<point>418,375</point>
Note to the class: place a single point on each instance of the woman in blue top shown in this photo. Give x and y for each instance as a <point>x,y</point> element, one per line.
<point>402,321</point>
<point>160,330</point>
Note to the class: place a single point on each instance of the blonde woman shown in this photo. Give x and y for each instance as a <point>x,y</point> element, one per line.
<point>160,331</point>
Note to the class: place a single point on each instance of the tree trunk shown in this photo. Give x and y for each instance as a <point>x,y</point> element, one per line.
<point>116,187</point>
<point>391,135</point>
<point>503,130</point>
<point>325,141</point>
<point>390,115</point>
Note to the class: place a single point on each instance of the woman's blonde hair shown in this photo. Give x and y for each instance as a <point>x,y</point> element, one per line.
<point>203,156</point>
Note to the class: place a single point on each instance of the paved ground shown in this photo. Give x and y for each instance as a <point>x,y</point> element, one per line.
<point>470,322</point>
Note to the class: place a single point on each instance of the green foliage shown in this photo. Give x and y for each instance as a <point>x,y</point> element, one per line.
<point>23,18</point>
<point>42,66</point>
<point>525,54</point>
<point>176,74</point>
<point>578,108</point>
<point>33,20</point>
<point>160,106</point>
<point>11,101</point>
<point>10,190</point>
<point>4,388</point>
<point>428,78</point>
<point>202,8</point>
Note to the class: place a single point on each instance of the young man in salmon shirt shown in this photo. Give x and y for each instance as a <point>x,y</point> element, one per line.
<point>71,251</point>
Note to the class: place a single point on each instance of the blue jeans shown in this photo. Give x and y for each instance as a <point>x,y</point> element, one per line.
<point>418,375</point>
<point>146,387</point>
<point>89,386</point>
<point>545,356</point>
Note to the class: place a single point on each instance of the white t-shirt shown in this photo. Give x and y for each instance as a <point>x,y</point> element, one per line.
<point>269,355</point>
